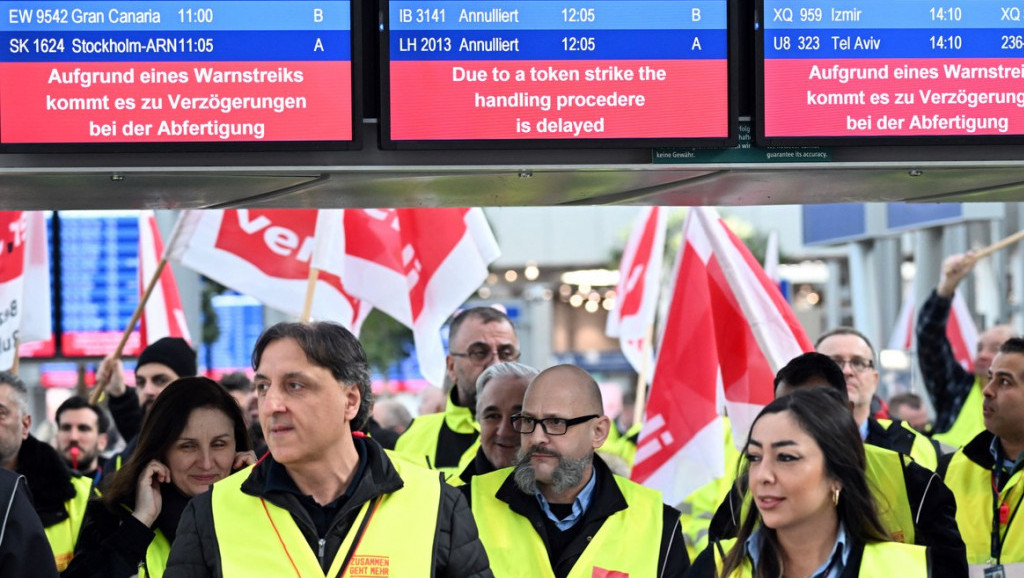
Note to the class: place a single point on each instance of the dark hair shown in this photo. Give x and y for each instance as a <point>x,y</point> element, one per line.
<point>162,427</point>
<point>332,347</point>
<point>844,330</point>
<point>236,381</point>
<point>811,365</point>
<point>79,402</point>
<point>822,415</point>
<point>485,313</point>
<point>908,399</point>
<point>1012,345</point>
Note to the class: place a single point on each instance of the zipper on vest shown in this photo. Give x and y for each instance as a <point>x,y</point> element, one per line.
<point>320,551</point>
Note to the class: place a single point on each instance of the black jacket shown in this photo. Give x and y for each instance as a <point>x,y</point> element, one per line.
<point>24,548</point>
<point>458,552</point>
<point>931,503</point>
<point>126,413</point>
<point>704,565</point>
<point>480,465</point>
<point>606,500</point>
<point>897,438</point>
<point>114,544</point>
<point>49,480</point>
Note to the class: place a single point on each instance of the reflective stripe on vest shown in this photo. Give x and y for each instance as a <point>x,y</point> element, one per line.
<point>257,538</point>
<point>969,422</point>
<point>879,559</point>
<point>63,535</point>
<point>972,486</point>
<point>419,442</point>
<point>884,473</point>
<point>629,541</point>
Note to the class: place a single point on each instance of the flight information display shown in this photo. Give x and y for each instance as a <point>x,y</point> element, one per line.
<point>509,71</point>
<point>214,71</point>
<point>99,276</point>
<point>936,71</point>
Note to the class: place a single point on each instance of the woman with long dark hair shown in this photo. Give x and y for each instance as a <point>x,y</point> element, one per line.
<point>813,514</point>
<point>193,436</point>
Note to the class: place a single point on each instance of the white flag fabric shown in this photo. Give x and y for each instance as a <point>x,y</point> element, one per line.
<point>265,254</point>
<point>727,332</point>
<point>37,324</point>
<point>416,265</point>
<point>961,331</point>
<point>13,227</point>
<point>636,296</point>
<point>163,315</point>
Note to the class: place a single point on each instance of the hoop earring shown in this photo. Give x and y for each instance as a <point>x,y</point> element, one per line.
<point>835,497</point>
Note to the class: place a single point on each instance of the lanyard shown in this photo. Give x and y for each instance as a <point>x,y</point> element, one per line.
<point>1000,516</point>
<point>367,512</point>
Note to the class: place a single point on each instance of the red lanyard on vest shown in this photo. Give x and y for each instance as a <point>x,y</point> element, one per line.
<point>1001,516</point>
<point>370,511</point>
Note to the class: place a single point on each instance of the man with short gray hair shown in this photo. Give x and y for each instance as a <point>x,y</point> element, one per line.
<point>49,480</point>
<point>499,396</point>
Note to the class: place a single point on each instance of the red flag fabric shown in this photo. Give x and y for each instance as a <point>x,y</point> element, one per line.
<point>13,227</point>
<point>163,315</point>
<point>636,296</point>
<point>265,254</point>
<point>727,331</point>
<point>416,265</point>
<point>36,333</point>
<point>961,331</point>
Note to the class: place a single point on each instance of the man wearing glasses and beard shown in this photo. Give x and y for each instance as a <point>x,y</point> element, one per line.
<point>560,510</point>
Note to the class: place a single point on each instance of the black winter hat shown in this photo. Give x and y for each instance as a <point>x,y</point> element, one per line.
<point>174,352</point>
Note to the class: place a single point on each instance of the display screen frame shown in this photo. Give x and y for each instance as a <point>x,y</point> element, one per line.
<point>731,105</point>
<point>764,140</point>
<point>355,143</point>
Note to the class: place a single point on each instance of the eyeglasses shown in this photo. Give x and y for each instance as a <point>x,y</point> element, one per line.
<point>857,364</point>
<point>482,353</point>
<point>553,426</point>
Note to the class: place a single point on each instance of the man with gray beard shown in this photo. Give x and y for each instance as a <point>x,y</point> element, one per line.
<point>560,510</point>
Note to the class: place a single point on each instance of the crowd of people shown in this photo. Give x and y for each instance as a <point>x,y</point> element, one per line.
<point>520,473</point>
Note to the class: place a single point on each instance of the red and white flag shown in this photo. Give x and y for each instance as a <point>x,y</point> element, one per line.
<point>727,332</point>
<point>163,315</point>
<point>416,265</point>
<point>13,228</point>
<point>265,254</point>
<point>37,324</point>
<point>961,331</point>
<point>636,296</point>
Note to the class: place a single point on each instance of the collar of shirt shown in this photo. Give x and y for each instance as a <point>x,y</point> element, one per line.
<point>279,480</point>
<point>1006,465</point>
<point>579,505</point>
<point>864,429</point>
<point>833,566</point>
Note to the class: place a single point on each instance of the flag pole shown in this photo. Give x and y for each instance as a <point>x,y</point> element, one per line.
<point>97,391</point>
<point>307,306</point>
<point>17,358</point>
<point>1001,244</point>
<point>641,380</point>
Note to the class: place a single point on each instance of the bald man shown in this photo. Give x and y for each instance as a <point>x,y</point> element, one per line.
<point>955,392</point>
<point>560,510</point>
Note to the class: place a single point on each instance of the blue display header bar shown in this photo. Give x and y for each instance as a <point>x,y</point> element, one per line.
<point>67,16</point>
